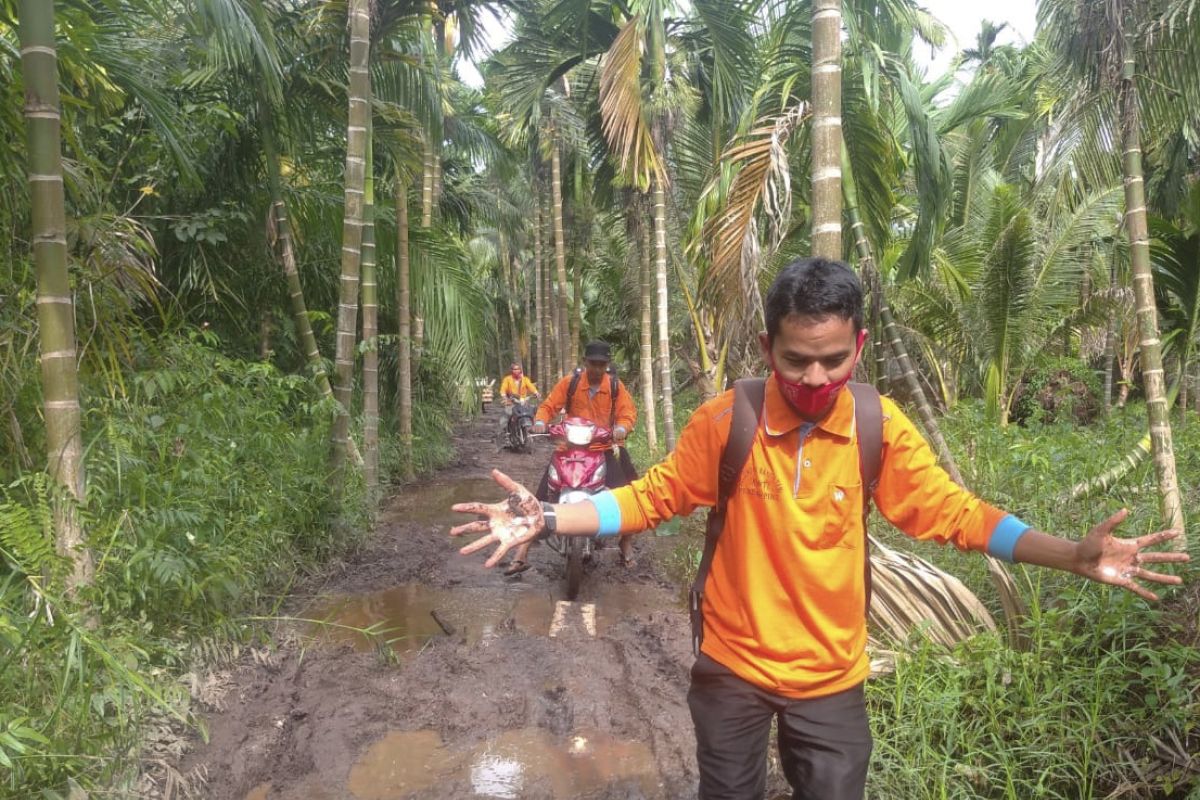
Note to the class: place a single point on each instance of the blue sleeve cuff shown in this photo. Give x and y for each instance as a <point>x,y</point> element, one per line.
<point>609,513</point>
<point>1004,537</point>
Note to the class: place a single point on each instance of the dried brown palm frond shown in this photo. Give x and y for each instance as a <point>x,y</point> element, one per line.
<point>909,593</point>
<point>758,164</point>
<point>622,109</point>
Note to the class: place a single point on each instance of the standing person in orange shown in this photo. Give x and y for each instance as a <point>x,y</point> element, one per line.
<point>515,386</point>
<point>596,394</point>
<point>782,594</point>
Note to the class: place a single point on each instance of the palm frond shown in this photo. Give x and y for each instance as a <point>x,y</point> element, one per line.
<point>621,108</point>
<point>754,171</point>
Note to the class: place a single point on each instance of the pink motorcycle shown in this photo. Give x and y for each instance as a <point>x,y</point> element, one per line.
<point>576,473</point>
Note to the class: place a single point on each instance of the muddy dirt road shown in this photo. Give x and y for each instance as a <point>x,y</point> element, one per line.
<point>482,686</point>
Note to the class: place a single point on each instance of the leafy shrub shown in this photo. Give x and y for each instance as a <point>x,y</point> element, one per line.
<point>1058,389</point>
<point>207,493</point>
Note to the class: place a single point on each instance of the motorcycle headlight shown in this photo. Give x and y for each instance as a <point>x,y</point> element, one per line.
<point>580,434</point>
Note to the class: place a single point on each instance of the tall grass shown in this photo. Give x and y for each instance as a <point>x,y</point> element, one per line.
<point>1105,701</point>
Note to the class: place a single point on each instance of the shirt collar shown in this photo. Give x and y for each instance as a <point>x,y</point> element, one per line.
<point>780,418</point>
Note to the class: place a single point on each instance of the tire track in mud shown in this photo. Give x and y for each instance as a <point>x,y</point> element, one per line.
<point>497,709</point>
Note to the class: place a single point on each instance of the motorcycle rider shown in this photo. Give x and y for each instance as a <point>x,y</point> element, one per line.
<point>515,386</point>
<point>596,394</point>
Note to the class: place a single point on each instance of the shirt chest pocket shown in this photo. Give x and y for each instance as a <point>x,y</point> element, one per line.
<point>832,516</point>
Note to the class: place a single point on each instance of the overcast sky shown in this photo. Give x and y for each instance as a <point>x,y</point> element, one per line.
<point>962,17</point>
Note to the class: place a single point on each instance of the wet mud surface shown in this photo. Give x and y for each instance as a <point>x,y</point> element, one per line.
<point>466,684</point>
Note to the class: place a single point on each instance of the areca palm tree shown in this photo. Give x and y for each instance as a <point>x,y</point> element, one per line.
<point>1104,44</point>
<point>56,323</point>
<point>359,20</point>
<point>827,129</point>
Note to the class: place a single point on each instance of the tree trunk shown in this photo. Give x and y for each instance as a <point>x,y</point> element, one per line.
<point>352,226</point>
<point>55,307</point>
<point>509,280</point>
<point>266,326</point>
<point>1110,344</point>
<point>437,179</point>
<point>427,185</point>
<point>649,413</point>
<point>550,296</point>
<point>569,343</point>
<point>299,310</point>
<point>404,358</point>
<point>827,129</point>
<point>664,331</point>
<point>891,337</point>
<point>1108,479</point>
<point>287,254</point>
<point>526,278</point>
<point>370,331</point>
<point>539,329</point>
<point>1157,407</point>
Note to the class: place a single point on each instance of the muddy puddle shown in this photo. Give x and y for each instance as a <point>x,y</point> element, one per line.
<point>512,765</point>
<point>431,506</point>
<point>407,617</point>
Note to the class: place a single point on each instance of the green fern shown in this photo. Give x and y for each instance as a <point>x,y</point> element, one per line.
<point>26,531</point>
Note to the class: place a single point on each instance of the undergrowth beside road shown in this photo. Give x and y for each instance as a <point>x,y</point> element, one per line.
<point>207,499</point>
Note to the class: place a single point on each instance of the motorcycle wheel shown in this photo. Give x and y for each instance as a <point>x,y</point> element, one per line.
<point>574,566</point>
<point>523,442</point>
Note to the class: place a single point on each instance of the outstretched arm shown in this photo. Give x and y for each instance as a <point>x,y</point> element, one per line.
<point>1102,557</point>
<point>519,518</point>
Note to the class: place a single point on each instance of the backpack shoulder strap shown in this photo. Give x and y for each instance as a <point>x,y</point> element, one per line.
<point>747,411</point>
<point>868,426</point>
<point>571,387</point>
<point>868,432</point>
<point>612,399</point>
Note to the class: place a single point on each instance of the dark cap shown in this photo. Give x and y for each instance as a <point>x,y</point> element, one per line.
<point>597,351</point>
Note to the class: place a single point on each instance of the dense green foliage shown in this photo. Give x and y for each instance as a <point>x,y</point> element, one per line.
<point>205,507</point>
<point>991,197</point>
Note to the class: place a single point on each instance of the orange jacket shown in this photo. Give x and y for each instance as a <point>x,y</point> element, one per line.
<point>598,409</point>
<point>784,606</point>
<point>509,386</point>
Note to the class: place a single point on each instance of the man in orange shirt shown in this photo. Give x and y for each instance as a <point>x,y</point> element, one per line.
<point>784,624</point>
<point>515,386</point>
<point>593,393</point>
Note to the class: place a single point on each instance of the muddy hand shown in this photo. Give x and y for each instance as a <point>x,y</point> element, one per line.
<point>510,522</point>
<point>1120,562</point>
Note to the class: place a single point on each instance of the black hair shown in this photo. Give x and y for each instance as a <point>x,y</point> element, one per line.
<point>814,287</point>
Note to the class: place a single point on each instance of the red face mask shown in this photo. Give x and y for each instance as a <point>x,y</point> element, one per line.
<point>811,403</point>
<point>516,373</point>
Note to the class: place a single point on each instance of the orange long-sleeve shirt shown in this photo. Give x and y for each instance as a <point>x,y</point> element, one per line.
<point>509,386</point>
<point>598,408</point>
<point>784,606</point>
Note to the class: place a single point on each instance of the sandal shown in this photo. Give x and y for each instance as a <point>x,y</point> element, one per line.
<point>516,568</point>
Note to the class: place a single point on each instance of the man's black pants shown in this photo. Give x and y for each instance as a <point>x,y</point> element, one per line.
<point>824,742</point>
